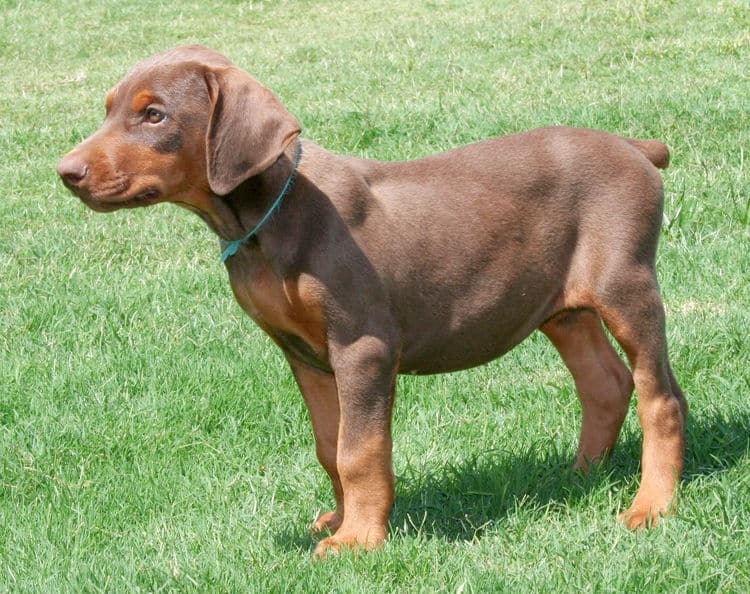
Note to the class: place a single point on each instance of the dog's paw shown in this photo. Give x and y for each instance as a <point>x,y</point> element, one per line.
<point>648,508</point>
<point>327,521</point>
<point>326,547</point>
<point>335,544</point>
<point>639,517</point>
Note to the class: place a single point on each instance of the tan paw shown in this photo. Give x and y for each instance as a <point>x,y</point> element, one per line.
<point>637,517</point>
<point>333,544</point>
<point>327,521</point>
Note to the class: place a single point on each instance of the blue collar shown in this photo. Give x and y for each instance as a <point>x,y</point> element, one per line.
<point>230,248</point>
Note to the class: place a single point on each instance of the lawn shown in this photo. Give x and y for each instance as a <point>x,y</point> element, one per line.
<point>152,438</point>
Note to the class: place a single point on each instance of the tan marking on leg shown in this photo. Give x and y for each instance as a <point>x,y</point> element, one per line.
<point>367,480</point>
<point>320,394</point>
<point>365,378</point>
<point>639,327</point>
<point>603,382</point>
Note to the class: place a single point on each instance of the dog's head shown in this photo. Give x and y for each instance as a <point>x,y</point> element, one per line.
<point>180,126</point>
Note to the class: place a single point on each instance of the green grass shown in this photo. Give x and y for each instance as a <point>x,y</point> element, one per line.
<point>151,438</point>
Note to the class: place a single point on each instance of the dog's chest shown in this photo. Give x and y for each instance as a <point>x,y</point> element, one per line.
<point>289,310</point>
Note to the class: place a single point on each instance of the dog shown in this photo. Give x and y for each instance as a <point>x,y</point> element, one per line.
<point>361,269</point>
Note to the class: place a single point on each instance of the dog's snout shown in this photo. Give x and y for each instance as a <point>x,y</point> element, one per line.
<point>72,169</point>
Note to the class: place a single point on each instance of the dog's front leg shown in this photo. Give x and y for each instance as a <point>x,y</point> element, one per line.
<point>365,372</point>
<point>319,391</point>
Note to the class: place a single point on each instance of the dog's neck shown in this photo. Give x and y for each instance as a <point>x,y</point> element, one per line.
<point>257,205</point>
<point>233,215</point>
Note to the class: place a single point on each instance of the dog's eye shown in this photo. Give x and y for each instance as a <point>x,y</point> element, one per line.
<point>153,115</point>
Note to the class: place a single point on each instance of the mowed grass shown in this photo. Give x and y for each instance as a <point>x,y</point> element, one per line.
<point>151,437</point>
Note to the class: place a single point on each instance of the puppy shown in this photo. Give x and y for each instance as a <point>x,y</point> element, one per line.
<point>360,269</point>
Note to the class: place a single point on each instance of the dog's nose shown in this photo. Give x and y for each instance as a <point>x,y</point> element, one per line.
<point>72,169</point>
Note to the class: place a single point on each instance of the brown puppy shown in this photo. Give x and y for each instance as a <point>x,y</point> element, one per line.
<point>361,269</point>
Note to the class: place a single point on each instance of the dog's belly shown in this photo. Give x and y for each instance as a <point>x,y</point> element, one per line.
<point>464,337</point>
<point>453,356</point>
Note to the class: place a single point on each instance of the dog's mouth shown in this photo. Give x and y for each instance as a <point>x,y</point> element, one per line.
<point>121,198</point>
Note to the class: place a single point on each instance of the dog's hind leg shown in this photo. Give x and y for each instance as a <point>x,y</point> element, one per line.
<point>603,382</point>
<point>631,307</point>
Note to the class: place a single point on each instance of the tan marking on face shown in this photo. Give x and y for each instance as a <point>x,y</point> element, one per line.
<point>142,100</point>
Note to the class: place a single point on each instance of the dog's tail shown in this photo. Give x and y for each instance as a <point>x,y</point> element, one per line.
<point>655,151</point>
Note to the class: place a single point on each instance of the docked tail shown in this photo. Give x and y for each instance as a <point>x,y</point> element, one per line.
<point>655,151</point>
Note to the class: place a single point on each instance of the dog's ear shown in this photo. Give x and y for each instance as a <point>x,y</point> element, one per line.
<point>248,129</point>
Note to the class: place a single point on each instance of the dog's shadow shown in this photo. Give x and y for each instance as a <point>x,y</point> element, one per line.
<point>457,502</point>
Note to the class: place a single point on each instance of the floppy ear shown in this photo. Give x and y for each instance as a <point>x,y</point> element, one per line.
<point>248,129</point>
